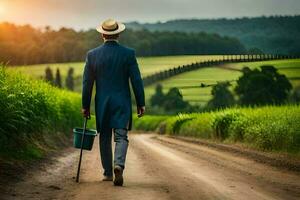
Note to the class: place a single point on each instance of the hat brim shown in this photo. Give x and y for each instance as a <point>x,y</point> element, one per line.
<point>121,28</point>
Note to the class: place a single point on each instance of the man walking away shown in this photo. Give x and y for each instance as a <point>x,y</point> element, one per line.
<point>111,66</point>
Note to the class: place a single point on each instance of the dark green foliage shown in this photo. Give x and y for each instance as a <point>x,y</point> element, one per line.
<point>57,81</point>
<point>170,103</point>
<point>272,35</point>
<point>70,79</point>
<point>222,96</point>
<point>149,43</point>
<point>67,45</point>
<point>158,98</point>
<point>173,100</point>
<point>49,75</point>
<point>262,87</point>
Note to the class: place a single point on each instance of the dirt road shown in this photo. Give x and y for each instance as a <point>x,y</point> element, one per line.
<point>159,167</point>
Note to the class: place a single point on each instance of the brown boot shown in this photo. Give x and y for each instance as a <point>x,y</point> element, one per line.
<point>118,176</point>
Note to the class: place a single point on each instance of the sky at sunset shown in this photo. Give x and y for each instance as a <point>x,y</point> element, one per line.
<point>83,14</point>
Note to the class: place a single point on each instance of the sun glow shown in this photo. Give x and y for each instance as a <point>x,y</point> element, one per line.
<point>2,9</point>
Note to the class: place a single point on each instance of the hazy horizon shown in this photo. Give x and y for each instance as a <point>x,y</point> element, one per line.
<point>87,14</point>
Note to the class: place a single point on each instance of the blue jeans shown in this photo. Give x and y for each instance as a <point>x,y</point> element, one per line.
<point>121,145</point>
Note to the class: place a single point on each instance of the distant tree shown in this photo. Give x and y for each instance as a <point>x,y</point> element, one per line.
<point>176,37</point>
<point>70,79</point>
<point>261,87</point>
<point>158,98</point>
<point>222,96</point>
<point>49,75</point>
<point>174,101</point>
<point>57,81</point>
<point>48,45</point>
<point>170,103</point>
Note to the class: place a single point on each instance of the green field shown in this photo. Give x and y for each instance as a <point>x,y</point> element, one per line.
<point>148,65</point>
<point>211,75</point>
<point>272,128</point>
<point>35,116</point>
<point>291,68</point>
<point>23,96</point>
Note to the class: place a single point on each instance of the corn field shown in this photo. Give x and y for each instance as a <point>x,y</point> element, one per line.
<point>32,109</point>
<point>271,128</point>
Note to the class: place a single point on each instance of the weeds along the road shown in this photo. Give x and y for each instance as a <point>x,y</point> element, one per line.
<point>266,128</point>
<point>31,112</point>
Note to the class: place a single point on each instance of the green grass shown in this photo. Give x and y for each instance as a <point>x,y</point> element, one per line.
<point>148,66</point>
<point>271,128</point>
<point>195,78</point>
<point>291,68</point>
<point>211,75</point>
<point>151,65</point>
<point>280,64</point>
<point>32,111</point>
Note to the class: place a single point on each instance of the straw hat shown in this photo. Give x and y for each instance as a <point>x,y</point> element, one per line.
<point>111,27</point>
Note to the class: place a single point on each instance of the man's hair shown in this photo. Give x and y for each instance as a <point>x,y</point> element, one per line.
<point>110,37</point>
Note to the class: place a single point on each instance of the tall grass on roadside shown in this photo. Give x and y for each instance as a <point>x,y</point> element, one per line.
<point>31,109</point>
<point>266,128</point>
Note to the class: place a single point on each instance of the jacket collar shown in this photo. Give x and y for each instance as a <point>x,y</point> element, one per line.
<point>111,42</point>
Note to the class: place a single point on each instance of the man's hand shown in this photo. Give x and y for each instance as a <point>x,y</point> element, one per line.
<point>86,113</point>
<point>141,111</point>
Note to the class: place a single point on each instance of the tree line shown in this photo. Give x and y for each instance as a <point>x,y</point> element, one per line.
<point>57,80</point>
<point>23,45</point>
<point>272,35</point>
<point>256,87</point>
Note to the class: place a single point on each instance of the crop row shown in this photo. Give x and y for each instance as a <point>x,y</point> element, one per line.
<point>32,110</point>
<point>266,128</point>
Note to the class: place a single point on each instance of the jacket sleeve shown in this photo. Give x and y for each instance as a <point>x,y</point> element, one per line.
<point>136,80</point>
<point>87,83</point>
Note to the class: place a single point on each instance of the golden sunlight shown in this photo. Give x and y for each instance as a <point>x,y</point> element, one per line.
<point>2,9</point>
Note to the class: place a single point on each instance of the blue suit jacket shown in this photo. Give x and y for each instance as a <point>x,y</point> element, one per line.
<point>111,66</point>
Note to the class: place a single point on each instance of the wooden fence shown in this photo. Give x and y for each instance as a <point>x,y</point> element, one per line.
<point>162,75</point>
